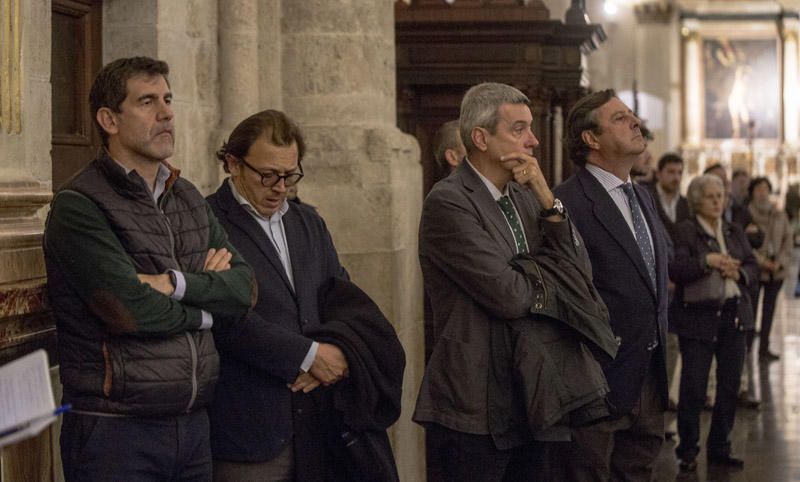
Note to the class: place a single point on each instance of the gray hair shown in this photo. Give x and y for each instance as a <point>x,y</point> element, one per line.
<point>447,137</point>
<point>480,105</point>
<point>698,187</point>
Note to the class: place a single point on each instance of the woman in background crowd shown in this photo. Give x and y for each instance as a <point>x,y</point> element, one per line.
<point>712,268</point>
<point>774,256</point>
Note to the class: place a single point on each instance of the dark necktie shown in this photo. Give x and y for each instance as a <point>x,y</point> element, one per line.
<point>640,232</point>
<point>513,221</point>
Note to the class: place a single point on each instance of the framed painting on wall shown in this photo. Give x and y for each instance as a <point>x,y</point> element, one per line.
<point>741,87</point>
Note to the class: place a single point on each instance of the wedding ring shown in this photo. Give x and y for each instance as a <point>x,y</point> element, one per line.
<point>524,172</point>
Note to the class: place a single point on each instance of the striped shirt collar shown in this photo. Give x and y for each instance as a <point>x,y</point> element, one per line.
<point>608,180</point>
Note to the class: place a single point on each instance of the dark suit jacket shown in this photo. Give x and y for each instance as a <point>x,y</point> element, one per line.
<point>681,211</point>
<point>465,247</point>
<point>621,278</point>
<point>253,414</point>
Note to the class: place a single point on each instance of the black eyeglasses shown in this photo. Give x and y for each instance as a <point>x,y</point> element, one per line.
<point>271,178</point>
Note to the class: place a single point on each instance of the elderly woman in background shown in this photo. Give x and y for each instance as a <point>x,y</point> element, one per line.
<point>712,268</point>
<point>774,256</point>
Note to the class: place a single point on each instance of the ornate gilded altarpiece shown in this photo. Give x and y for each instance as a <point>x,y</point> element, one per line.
<point>10,38</point>
<point>740,93</point>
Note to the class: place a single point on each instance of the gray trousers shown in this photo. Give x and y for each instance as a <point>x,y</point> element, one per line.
<point>279,469</point>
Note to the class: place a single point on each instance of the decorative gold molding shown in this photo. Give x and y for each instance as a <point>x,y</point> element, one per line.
<point>10,67</point>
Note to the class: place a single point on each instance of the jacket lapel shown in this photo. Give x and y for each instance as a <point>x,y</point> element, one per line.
<point>607,212</point>
<point>298,251</point>
<point>528,210</point>
<point>486,204</point>
<point>239,217</point>
<point>654,223</point>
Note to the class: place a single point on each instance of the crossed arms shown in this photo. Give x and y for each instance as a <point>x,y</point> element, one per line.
<point>81,243</point>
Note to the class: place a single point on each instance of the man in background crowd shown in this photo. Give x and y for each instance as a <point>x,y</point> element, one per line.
<point>672,206</point>
<point>643,171</point>
<point>672,209</point>
<point>449,150</point>
<point>740,181</point>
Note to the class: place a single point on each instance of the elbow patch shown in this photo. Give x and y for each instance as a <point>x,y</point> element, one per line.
<point>116,317</point>
<point>253,293</point>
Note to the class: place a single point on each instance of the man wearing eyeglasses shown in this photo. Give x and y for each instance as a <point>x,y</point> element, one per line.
<point>265,425</point>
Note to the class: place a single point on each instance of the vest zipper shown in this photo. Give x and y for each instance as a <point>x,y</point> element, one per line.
<point>193,349</point>
<point>189,337</point>
<point>160,208</point>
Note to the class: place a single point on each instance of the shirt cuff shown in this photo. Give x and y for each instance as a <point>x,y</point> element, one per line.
<point>207,320</point>
<point>310,356</point>
<point>180,285</point>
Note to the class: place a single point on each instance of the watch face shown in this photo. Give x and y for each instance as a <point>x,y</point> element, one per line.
<point>557,208</point>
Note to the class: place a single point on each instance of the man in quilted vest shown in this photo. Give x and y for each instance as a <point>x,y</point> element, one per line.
<point>138,271</point>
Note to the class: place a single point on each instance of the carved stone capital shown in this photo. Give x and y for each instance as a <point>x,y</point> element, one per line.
<point>21,229</point>
<point>653,12</point>
<point>24,317</point>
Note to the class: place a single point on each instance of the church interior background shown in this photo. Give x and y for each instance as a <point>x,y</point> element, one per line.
<point>369,81</point>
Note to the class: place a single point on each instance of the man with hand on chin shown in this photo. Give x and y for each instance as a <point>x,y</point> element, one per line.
<point>494,207</point>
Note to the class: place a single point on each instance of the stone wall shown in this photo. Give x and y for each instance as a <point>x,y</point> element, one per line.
<point>24,155</point>
<point>362,173</point>
<point>25,174</point>
<point>184,34</point>
<point>642,46</point>
<point>25,179</point>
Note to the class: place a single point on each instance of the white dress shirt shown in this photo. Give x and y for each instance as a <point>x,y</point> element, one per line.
<point>275,231</point>
<point>670,205</point>
<point>496,194</point>
<point>613,185</point>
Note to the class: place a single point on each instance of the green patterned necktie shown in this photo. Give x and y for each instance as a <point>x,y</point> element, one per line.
<point>513,221</point>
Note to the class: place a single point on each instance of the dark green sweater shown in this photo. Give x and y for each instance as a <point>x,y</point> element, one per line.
<point>124,347</point>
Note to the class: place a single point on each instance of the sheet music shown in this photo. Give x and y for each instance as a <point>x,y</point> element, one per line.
<point>26,394</point>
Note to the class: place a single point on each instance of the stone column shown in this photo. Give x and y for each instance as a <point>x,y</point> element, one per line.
<point>362,173</point>
<point>791,79</point>
<point>238,61</point>
<point>269,54</point>
<point>786,160</point>
<point>129,28</point>
<point>25,175</point>
<point>656,41</point>
<point>693,87</point>
<point>184,34</point>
